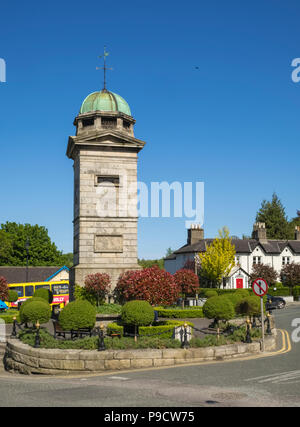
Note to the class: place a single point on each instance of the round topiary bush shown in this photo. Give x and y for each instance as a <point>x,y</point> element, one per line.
<point>44,293</point>
<point>12,296</point>
<point>36,311</point>
<point>139,313</point>
<point>76,315</point>
<point>218,308</point>
<point>29,301</point>
<point>249,306</point>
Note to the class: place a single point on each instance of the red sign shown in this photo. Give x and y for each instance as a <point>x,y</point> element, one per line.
<point>260,287</point>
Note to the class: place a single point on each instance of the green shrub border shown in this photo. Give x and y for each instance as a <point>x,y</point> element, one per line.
<point>180,313</point>
<point>164,328</point>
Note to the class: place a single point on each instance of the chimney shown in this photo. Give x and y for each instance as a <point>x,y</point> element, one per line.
<point>259,232</point>
<point>195,233</point>
<point>297,232</point>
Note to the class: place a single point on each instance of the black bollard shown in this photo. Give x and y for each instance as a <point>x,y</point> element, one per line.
<point>268,331</point>
<point>101,345</point>
<point>254,322</point>
<point>248,336</point>
<point>14,330</point>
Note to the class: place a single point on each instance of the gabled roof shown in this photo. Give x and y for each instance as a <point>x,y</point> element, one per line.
<point>242,246</point>
<point>35,274</point>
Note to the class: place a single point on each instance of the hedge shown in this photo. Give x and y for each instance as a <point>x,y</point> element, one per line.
<point>164,328</point>
<point>9,317</point>
<point>282,292</point>
<point>180,313</point>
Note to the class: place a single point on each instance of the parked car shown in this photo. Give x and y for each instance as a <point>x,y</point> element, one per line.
<point>274,302</point>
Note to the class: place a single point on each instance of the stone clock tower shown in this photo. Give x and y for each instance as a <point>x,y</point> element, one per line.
<point>104,152</point>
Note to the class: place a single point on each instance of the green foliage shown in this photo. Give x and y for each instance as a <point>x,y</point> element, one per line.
<point>281,292</point>
<point>9,315</point>
<point>273,215</point>
<point>146,263</point>
<point>13,238</point>
<point>210,293</point>
<point>91,343</point>
<point>44,293</point>
<point>137,312</point>
<point>180,313</point>
<point>36,311</point>
<point>76,315</point>
<point>249,306</point>
<point>25,303</point>
<point>218,259</point>
<point>81,293</point>
<point>12,296</point>
<point>109,309</point>
<point>218,308</point>
<point>163,328</point>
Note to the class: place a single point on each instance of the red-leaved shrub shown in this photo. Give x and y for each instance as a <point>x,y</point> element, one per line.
<point>3,289</point>
<point>150,284</point>
<point>187,281</point>
<point>98,284</point>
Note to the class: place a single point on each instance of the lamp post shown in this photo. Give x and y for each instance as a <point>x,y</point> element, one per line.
<point>27,257</point>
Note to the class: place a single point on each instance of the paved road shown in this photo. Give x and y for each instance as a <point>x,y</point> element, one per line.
<point>267,381</point>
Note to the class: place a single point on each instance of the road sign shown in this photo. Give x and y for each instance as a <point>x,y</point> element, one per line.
<point>260,287</point>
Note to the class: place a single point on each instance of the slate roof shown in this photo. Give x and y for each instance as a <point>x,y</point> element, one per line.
<point>242,246</point>
<point>35,274</point>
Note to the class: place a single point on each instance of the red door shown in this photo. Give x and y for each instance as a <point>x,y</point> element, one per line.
<point>239,283</point>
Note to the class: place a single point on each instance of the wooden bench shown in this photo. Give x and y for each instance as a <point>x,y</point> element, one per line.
<point>59,332</point>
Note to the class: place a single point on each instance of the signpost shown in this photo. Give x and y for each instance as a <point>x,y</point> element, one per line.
<point>260,288</point>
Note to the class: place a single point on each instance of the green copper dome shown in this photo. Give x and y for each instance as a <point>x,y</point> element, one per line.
<point>105,101</point>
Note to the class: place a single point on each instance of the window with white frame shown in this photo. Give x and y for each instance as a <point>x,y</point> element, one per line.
<point>257,260</point>
<point>286,260</point>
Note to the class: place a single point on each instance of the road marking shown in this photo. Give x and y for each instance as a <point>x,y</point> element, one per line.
<point>278,378</point>
<point>119,378</point>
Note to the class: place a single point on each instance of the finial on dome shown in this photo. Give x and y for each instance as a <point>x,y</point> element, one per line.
<point>104,68</point>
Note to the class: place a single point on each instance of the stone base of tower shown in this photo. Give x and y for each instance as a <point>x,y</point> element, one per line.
<point>78,274</point>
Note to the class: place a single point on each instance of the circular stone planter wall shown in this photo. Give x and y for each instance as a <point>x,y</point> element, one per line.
<point>28,360</point>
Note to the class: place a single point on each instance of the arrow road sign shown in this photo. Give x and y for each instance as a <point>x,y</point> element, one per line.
<point>260,287</point>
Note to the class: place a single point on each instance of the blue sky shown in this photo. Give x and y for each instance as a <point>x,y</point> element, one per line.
<point>232,122</point>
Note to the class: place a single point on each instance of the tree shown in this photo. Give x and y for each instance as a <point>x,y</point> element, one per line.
<point>290,274</point>
<point>98,284</point>
<point>41,250</point>
<point>273,215</point>
<point>150,284</point>
<point>219,259</point>
<point>187,281</point>
<point>263,271</point>
<point>3,289</point>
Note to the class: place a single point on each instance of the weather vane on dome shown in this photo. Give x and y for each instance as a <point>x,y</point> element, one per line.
<point>104,68</point>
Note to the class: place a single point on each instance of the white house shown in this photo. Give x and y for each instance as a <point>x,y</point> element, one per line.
<point>258,250</point>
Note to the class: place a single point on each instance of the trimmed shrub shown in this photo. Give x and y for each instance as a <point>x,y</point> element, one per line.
<point>12,296</point>
<point>36,311</point>
<point>210,293</point>
<point>218,308</point>
<point>44,293</point>
<point>163,328</point>
<point>150,284</point>
<point>249,306</point>
<point>81,293</point>
<point>76,315</point>
<point>28,301</point>
<point>180,313</point>
<point>139,313</point>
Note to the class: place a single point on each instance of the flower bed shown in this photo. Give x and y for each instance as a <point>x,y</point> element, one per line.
<point>164,328</point>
